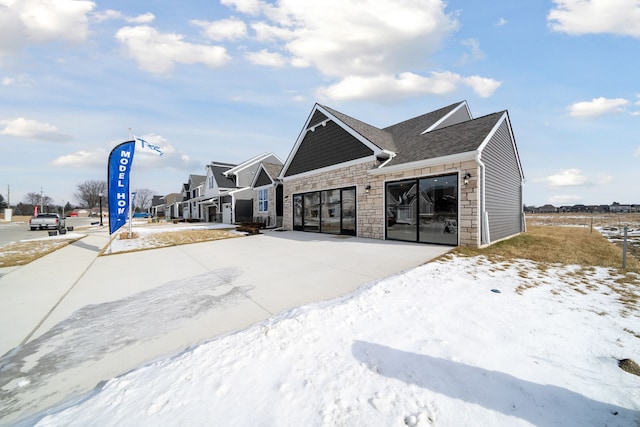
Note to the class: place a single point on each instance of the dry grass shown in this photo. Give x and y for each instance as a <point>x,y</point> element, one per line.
<point>175,238</point>
<point>22,253</point>
<point>564,245</point>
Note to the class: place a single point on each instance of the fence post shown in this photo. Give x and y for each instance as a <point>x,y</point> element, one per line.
<point>624,249</point>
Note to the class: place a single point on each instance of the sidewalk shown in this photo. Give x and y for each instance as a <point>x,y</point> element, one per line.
<point>81,319</point>
<point>30,293</point>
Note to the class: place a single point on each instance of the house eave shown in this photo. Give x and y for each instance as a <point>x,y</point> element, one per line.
<point>453,158</point>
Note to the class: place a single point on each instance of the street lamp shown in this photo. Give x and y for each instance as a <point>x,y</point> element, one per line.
<point>100,195</point>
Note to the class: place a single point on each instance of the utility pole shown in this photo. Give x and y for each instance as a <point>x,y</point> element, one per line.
<point>8,196</point>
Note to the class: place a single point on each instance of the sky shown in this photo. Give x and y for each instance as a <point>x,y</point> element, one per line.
<point>228,80</point>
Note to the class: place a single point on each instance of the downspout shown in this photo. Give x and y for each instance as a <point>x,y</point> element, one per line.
<point>524,219</point>
<point>485,235</point>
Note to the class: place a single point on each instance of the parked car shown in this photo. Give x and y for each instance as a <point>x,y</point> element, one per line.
<point>47,221</point>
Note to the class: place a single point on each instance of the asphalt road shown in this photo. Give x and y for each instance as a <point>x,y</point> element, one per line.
<point>16,231</point>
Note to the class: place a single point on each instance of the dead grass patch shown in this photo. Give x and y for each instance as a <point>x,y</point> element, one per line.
<point>22,253</point>
<point>176,238</point>
<point>563,245</point>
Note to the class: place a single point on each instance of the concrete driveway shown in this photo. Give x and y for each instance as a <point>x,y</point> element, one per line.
<point>72,320</point>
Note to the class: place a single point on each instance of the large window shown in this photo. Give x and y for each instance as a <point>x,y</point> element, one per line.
<point>328,211</point>
<point>263,200</point>
<point>423,210</point>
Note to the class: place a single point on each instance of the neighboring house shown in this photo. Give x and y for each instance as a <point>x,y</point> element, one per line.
<point>442,177</point>
<point>217,203</point>
<point>157,206</point>
<point>267,208</point>
<point>225,193</point>
<point>193,194</point>
<point>243,175</point>
<point>548,209</point>
<point>169,206</point>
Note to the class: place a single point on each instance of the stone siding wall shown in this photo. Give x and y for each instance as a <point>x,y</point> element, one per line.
<point>370,203</point>
<point>271,208</point>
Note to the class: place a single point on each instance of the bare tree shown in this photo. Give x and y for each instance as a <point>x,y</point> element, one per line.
<point>88,193</point>
<point>37,199</point>
<point>144,196</point>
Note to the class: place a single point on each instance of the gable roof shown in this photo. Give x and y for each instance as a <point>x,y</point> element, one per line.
<point>266,174</point>
<point>448,131</point>
<point>259,158</point>
<point>459,138</point>
<point>218,171</point>
<point>196,180</point>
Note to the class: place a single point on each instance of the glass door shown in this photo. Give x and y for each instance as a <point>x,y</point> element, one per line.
<point>311,206</point>
<point>297,212</point>
<point>423,210</point>
<point>401,210</point>
<point>330,216</point>
<point>439,210</point>
<point>348,211</point>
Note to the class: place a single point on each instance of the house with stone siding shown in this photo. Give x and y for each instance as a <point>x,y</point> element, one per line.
<point>267,188</point>
<point>443,177</point>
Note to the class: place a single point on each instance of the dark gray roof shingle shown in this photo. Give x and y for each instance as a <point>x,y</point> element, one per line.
<point>218,170</point>
<point>459,138</point>
<point>407,140</point>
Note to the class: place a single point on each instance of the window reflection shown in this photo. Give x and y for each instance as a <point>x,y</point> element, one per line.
<point>423,210</point>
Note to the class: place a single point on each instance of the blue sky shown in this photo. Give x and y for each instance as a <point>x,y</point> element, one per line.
<point>227,80</point>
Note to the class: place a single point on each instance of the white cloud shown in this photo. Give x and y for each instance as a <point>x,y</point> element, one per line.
<point>474,54</point>
<point>567,178</point>
<point>158,52</point>
<point>482,86</point>
<point>501,22</point>
<point>145,18</point>
<point>264,57</point>
<point>28,21</point>
<point>19,80</point>
<point>106,15</point>
<point>565,199</point>
<point>597,107</point>
<point>110,14</point>
<point>577,17</point>
<point>251,7</point>
<point>225,29</point>
<point>370,49</point>
<point>389,87</point>
<point>637,151</point>
<point>32,129</point>
<point>363,38</point>
<point>144,160</point>
<point>82,159</point>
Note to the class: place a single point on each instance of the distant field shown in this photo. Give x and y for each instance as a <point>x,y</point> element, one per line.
<point>631,220</point>
<point>610,225</point>
<point>19,218</point>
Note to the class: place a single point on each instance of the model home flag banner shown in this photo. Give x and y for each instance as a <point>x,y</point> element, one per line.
<point>147,146</point>
<point>119,169</point>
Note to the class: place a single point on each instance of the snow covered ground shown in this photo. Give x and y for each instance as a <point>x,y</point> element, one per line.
<point>459,341</point>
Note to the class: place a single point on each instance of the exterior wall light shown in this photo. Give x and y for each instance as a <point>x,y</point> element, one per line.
<point>466,178</point>
<point>367,188</point>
